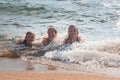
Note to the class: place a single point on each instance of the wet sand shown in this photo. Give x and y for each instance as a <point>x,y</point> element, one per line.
<point>52,76</point>
<point>16,64</point>
<point>16,69</point>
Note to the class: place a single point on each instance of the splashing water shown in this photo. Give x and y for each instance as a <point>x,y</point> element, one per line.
<point>97,20</point>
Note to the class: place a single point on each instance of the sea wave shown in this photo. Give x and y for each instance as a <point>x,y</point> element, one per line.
<point>20,7</point>
<point>103,54</point>
<point>97,57</point>
<point>106,53</point>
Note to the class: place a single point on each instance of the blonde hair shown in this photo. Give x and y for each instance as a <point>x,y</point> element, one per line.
<point>73,27</point>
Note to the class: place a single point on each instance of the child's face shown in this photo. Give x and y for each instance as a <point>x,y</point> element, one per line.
<point>72,32</point>
<point>29,38</point>
<point>51,34</point>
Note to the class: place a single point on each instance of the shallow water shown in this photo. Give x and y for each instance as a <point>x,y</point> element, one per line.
<point>97,20</point>
<point>15,64</point>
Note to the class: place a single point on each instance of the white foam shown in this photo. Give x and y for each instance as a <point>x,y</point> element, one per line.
<point>98,55</point>
<point>117,25</point>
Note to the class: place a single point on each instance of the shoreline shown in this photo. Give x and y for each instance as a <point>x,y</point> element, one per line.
<point>17,66</point>
<point>53,75</point>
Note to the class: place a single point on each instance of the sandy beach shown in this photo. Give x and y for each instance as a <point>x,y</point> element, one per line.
<point>52,76</point>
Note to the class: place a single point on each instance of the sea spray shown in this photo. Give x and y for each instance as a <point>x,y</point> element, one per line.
<point>100,55</point>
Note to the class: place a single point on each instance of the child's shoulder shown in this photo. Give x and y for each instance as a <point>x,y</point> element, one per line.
<point>82,38</point>
<point>45,38</point>
<point>21,41</point>
<point>44,41</point>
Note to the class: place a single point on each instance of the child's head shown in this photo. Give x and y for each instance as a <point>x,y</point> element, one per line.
<point>30,37</point>
<point>73,31</point>
<point>52,32</point>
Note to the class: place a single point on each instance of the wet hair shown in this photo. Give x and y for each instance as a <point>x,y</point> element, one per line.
<point>29,32</point>
<point>68,39</point>
<point>52,28</point>
<point>74,27</point>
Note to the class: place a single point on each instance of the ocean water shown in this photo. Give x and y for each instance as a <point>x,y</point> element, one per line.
<point>97,20</point>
